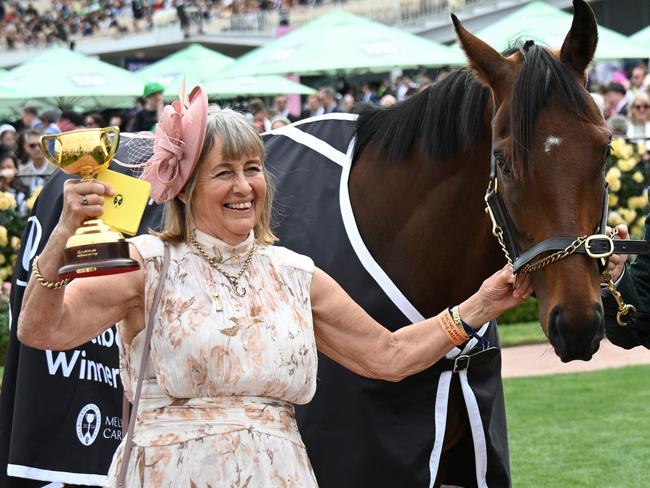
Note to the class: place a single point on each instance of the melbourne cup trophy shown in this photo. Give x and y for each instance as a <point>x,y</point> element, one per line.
<point>95,248</point>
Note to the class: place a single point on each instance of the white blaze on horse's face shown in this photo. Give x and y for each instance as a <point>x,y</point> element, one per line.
<point>550,142</point>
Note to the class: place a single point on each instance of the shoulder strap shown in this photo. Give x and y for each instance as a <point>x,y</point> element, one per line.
<point>128,444</point>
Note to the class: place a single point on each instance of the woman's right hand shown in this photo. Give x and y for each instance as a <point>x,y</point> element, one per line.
<point>498,293</point>
<point>82,200</point>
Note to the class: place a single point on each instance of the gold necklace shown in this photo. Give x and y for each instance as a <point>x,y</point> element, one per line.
<point>234,279</point>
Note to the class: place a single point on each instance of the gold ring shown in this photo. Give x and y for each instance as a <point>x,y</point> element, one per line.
<point>84,200</point>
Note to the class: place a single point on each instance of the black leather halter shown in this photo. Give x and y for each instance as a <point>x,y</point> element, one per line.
<point>597,246</point>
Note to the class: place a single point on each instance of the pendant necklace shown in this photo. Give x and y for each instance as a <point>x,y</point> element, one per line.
<point>240,290</point>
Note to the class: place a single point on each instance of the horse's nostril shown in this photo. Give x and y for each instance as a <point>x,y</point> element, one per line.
<point>555,331</point>
<point>576,335</point>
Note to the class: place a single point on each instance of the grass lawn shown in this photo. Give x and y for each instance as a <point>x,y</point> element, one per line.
<point>520,334</point>
<point>580,430</point>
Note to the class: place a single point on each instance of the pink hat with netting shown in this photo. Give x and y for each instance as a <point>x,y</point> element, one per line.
<point>179,138</point>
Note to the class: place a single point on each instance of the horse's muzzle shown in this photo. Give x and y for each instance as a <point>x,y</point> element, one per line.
<point>576,335</point>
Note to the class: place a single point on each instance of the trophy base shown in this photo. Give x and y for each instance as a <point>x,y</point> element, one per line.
<point>99,259</point>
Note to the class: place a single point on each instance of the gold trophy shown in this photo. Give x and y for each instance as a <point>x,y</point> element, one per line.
<point>95,249</point>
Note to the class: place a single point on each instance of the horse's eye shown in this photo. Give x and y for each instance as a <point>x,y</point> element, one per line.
<point>503,164</point>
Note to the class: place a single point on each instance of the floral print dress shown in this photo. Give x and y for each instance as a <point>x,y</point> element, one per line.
<point>224,371</point>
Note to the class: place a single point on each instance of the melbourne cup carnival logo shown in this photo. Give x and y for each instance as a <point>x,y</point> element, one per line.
<point>88,423</point>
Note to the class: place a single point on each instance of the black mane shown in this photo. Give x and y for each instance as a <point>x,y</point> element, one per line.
<point>447,117</point>
<point>450,116</point>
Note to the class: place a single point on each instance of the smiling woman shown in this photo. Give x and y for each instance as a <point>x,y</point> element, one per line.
<point>233,323</point>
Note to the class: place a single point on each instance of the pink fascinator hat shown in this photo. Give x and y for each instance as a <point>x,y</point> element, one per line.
<point>179,138</point>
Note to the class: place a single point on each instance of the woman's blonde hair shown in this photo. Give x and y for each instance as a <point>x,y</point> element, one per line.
<point>239,139</point>
<point>645,98</point>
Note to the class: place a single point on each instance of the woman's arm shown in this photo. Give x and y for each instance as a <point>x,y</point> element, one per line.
<point>71,316</point>
<point>348,335</point>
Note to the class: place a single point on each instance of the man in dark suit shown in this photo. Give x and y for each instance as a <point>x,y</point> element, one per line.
<point>634,286</point>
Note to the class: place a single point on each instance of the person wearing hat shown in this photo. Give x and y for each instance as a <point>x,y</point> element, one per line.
<point>146,118</point>
<point>8,141</point>
<point>233,322</point>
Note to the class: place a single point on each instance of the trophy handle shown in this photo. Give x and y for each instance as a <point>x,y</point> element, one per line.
<point>43,143</point>
<point>115,131</point>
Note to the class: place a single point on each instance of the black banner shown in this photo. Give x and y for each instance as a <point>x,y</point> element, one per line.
<point>60,412</point>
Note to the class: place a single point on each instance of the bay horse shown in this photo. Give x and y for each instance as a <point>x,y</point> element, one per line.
<point>416,182</point>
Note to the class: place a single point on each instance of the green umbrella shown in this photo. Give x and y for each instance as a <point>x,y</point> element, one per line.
<point>65,78</point>
<point>195,63</point>
<point>642,37</point>
<point>255,86</point>
<point>342,42</point>
<point>548,26</point>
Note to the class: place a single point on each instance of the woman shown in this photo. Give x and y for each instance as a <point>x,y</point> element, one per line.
<point>8,183</point>
<point>94,120</point>
<point>639,126</point>
<point>8,140</point>
<point>236,332</point>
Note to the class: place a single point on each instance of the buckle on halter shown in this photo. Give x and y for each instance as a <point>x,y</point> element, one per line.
<point>599,255</point>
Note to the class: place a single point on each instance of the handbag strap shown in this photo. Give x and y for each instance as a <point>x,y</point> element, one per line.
<point>128,444</point>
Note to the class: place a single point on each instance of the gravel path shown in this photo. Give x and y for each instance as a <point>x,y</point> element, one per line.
<point>539,359</point>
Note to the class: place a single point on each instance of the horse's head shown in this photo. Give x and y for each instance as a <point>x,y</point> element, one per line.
<point>550,147</point>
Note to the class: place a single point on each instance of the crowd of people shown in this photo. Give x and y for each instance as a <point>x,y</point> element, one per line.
<point>23,165</point>
<point>65,21</point>
<point>624,98</point>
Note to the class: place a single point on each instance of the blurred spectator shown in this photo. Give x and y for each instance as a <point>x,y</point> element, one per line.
<point>29,117</point>
<point>37,166</point>
<point>402,84</point>
<point>182,17</point>
<point>347,102</point>
<point>257,108</point>
<point>94,120</point>
<point>637,81</point>
<point>617,125</point>
<point>639,117</point>
<point>280,105</point>
<point>123,120</point>
<point>279,122</point>
<point>314,107</point>
<point>8,168</point>
<point>7,138</point>
<point>49,118</point>
<point>615,103</point>
<point>70,120</point>
<point>147,118</point>
<point>8,181</point>
<point>328,100</point>
<point>387,100</point>
<point>369,93</point>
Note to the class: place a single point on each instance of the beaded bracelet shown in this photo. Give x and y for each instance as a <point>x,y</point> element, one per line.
<point>52,285</point>
<point>456,334</point>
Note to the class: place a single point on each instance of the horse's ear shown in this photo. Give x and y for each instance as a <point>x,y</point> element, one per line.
<point>580,42</point>
<point>490,66</point>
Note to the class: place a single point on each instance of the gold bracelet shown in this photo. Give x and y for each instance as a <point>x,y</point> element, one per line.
<point>455,314</point>
<point>52,285</point>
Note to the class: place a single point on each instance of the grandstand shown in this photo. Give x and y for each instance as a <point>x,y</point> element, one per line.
<point>132,34</point>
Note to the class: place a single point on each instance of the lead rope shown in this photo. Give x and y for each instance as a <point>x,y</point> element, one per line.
<point>128,443</point>
<point>623,308</point>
